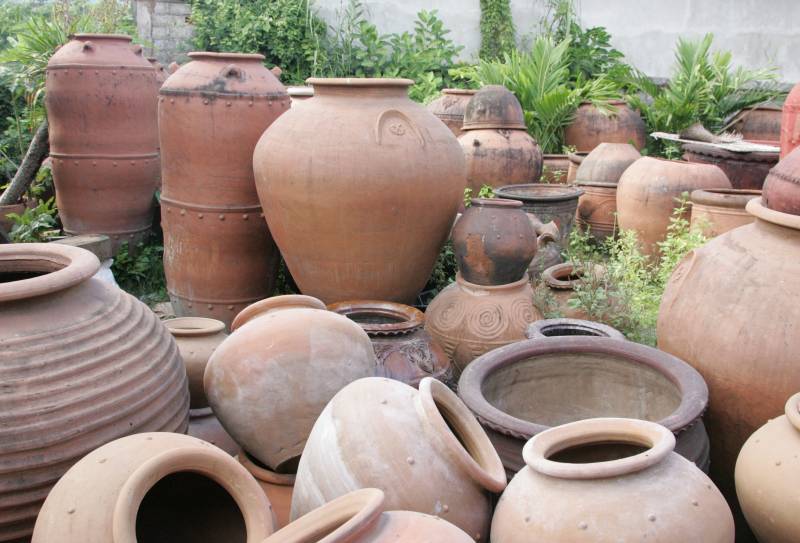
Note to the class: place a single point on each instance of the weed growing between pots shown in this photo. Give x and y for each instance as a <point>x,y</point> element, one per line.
<point>140,272</point>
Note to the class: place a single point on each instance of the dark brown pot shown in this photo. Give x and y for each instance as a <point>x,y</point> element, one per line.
<point>570,327</point>
<point>451,106</point>
<point>782,187</point>
<point>761,123</point>
<point>548,202</point>
<point>745,170</point>
<point>525,388</point>
<point>101,104</point>
<point>219,256</point>
<point>591,127</point>
<point>555,169</point>
<point>404,349</point>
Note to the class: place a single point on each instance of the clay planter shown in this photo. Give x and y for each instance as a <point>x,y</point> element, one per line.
<point>337,176</point>
<point>211,112</point>
<point>523,389</point>
<point>468,320</point>
<point>555,169</point>
<point>451,106</point>
<point>767,477</point>
<point>404,349</point>
<point>203,424</point>
<point>790,122</point>
<point>277,487</point>
<point>423,448</point>
<point>101,104</point>
<point>759,123</point>
<point>570,327</point>
<point>575,161</point>
<point>547,202</point>
<point>196,338</point>
<point>267,394</point>
<point>359,517</point>
<point>5,222</point>
<point>744,170</point>
<point>82,363</point>
<point>155,487</point>
<point>558,288</point>
<point>591,127</point>
<point>609,479</point>
<point>715,211</point>
<point>782,187</point>
<point>729,310</point>
<point>647,193</point>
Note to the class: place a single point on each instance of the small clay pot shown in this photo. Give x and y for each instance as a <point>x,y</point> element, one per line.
<point>591,127</point>
<point>715,211</point>
<point>204,424</point>
<point>548,203</point>
<point>609,479</point>
<point>575,160</point>
<point>782,187</point>
<point>277,487</point>
<point>744,170</point>
<point>197,337</point>
<point>570,327</point>
<point>555,169</point>
<point>557,288</point>
<point>451,106</point>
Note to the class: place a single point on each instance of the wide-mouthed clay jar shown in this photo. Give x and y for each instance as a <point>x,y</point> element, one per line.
<point>591,127</point>
<point>277,487</point>
<point>715,211</point>
<point>360,517</point>
<point>790,122</point>
<point>782,187</point>
<point>523,389</point>
<point>360,187</point>
<point>744,170</point>
<point>423,448</point>
<point>267,394</point>
<point>609,479</point>
<point>155,487</point>
<point>197,337</point>
<point>570,327</point>
<point>451,106</point>
<point>82,363</point>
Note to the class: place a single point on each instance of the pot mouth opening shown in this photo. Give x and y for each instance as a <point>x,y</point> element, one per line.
<point>194,326</point>
<point>539,192</point>
<point>563,276</point>
<point>284,475</point>
<point>733,198</point>
<point>275,303</point>
<point>93,36</point>
<point>793,411</point>
<point>225,56</point>
<point>571,327</point>
<point>493,288</point>
<point>381,318</point>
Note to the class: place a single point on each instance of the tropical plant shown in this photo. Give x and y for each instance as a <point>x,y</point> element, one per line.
<point>141,272</point>
<point>498,34</point>
<point>35,224</point>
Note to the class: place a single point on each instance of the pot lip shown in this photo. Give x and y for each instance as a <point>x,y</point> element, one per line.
<point>285,301</point>
<point>733,198</point>
<point>471,450</point>
<point>195,55</point>
<point>300,91</point>
<point>554,156</point>
<point>757,208</point>
<point>194,326</point>
<point>99,36</point>
<point>577,156</point>
<point>558,193</point>
<point>262,473</point>
<point>409,318</point>
<point>537,329</point>
<point>66,266</point>
<point>614,102</point>
<point>376,82</point>
<point>659,440</point>
<point>580,183</point>
<point>475,286</point>
<point>689,382</point>
<point>469,92</point>
<point>496,202</point>
<point>793,411</point>
<point>551,274</point>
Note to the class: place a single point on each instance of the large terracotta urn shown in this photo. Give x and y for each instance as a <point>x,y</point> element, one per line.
<point>451,106</point>
<point>744,170</point>
<point>760,124</point>
<point>101,97</point>
<point>647,195</point>
<point>782,187</point>
<point>609,479</point>
<point>591,127</point>
<point>360,187</point>
<point>82,363</point>
<point>423,448</point>
<point>155,487</point>
<point>219,256</point>
<point>790,122</point>
<point>731,310</point>
<point>715,211</point>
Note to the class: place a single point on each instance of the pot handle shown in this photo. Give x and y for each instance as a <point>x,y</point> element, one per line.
<point>88,46</point>
<point>276,71</point>
<point>232,70</point>
<point>544,232</point>
<point>173,67</point>
<point>137,49</point>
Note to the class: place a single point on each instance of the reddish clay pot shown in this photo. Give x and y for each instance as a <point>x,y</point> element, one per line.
<point>744,170</point>
<point>609,479</point>
<point>203,424</point>
<point>277,487</point>
<point>592,127</point>
<point>161,71</point>
<point>211,113</point>
<point>570,327</point>
<point>715,211</point>
<point>782,187</point>
<point>423,448</point>
<point>267,394</point>
<point>575,161</point>
<point>557,288</point>
<point>404,349</point>
<point>555,169</point>
<point>759,123</point>
<point>523,389</point>
<point>196,338</point>
<point>155,487</point>
<point>82,363</point>
<point>101,104</point>
<point>548,203</point>
<point>451,106</point>
<point>647,193</point>
<point>300,94</point>
<point>790,122</point>
<point>355,162</point>
<point>5,222</point>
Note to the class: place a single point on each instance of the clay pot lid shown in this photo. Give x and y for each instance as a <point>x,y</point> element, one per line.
<point>570,327</point>
<point>225,56</point>
<point>757,208</point>
<point>404,319</point>
<point>286,301</point>
<point>538,192</point>
<point>359,82</point>
<point>494,107</point>
<point>194,326</point>
<point>263,473</point>
<point>98,36</point>
<point>793,410</point>
<point>731,198</point>
<point>51,266</point>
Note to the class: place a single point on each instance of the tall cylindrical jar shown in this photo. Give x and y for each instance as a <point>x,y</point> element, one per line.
<point>219,256</point>
<point>101,104</point>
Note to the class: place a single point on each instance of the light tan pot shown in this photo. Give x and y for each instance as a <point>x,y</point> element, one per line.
<point>197,337</point>
<point>715,211</point>
<point>277,487</point>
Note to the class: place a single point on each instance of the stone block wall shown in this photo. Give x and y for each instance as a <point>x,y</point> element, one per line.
<point>164,28</point>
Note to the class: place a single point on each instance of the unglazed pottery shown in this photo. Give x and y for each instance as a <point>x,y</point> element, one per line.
<point>782,187</point>
<point>591,127</point>
<point>451,106</point>
<point>337,176</point>
<point>161,71</point>
<point>570,327</point>
<point>556,203</point>
<point>423,448</point>
<point>155,487</point>
<point>82,363</point>
<point>715,211</point>
<point>575,161</point>
<point>744,170</point>
<point>277,487</point>
<point>523,389</point>
<point>267,394</point>
<point>555,169</point>
<point>197,338</point>
<point>557,288</point>
<point>761,123</point>
<point>204,424</point>
<point>790,122</point>
<point>610,480</point>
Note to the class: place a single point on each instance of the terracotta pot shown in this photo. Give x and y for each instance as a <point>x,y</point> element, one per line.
<point>267,394</point>
<point>196,338</point>
<point>494,106</point>
<point>155,487</point>
<point>300,94</point>
<point>647,193</point>
<point>592,127</point>
<point>555,169</point>
<point>727,310</point>
<point>575,161</point>
<point>557,288</point>
<point>277,487</point>
<point>496,157</point>
<point>715,211</point>
<point>782,187</point>
<point>101,104</point>
<point>211,113</point>
<point>468,320</point>
<point>523,389</point>
<point>404,349</point>
<point>744,170</point>
<point>606,164</point>
<point>423,448</point>
<point>392,163</point>
<point>570,327</point>
<point>759,123</point>
<point>766,478</point>
<point>548,203</point>
<point>790,122</point>
<point>609,479</point>
<point>359,517</point>
<point>161,71</point>
<point>203,424</point>
<point>5,222</point>
<point>82,363</point>
<point>451,106</point>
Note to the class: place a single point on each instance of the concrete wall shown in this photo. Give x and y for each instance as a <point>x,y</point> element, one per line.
<point>163,28</point>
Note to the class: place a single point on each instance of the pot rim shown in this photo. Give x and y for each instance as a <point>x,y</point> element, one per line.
<point>99,36</point>
<point>495,202</point>
<point>460,91</point>
<point>793,411</point>
<point>285,301</point>
<point>194,326</point>
<point>757,209</point>
<point>359,82</point>
<point>559,193</point>
<point>732,198</point>
<point>262,473</point>
<point>409,318</point>
<point>577,157</point>
<point>300,91</point>
<point>63,266</point>
<point>659,440</point>
<point>600,184</point>
<point>537,329</point>
<point>194,55</point>
<point>549,276</point>
<point>693,389</point>
<point>460,281</point>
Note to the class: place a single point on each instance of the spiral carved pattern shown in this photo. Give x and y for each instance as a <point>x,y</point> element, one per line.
<point>487,321</point>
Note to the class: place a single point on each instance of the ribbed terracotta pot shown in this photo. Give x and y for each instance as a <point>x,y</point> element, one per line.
<point>575,161</point>
<point>101,105</point>
<point>337,176</point>
<point>555,169</point>
<point>197,338</point>
<point>155,487</point>
<point>548,202</point>
<point>522,389</point>
<point>277,487</point>
<point>609,479</point>
<point>82,363</point>
<point>451,106</point>
<point>592,127</point>
<point>423,448</point>
<point>715,211</point>
<point>647,193</point>
<point>790,122</point>
<point>761,123</point>
<point>570,327</point>
<point>744,170</point>
<point>782,187</point>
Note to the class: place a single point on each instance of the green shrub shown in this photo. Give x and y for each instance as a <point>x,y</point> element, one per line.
<point>498,35</point>
<point>36,224</point>
<point>141,272</point>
